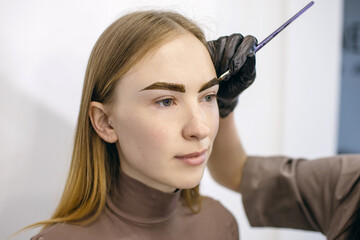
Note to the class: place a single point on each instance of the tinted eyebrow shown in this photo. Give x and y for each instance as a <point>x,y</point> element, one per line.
<point>179,87</point>
<point>166,86</point>
<point>209,84</point>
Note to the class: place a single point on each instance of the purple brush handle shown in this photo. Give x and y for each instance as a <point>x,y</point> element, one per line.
<point>277,31</point>
<point>271,36</point>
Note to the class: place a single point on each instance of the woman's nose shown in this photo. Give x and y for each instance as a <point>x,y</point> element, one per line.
<point>195,127</point>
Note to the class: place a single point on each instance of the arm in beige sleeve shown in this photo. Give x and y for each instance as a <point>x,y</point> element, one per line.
<point>319,195</point>
<point>228,157</point>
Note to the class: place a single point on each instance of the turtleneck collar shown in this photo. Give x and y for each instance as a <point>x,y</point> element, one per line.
<point>138,203</point>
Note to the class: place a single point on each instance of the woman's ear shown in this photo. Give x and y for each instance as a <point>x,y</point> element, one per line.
<point>101,123</point>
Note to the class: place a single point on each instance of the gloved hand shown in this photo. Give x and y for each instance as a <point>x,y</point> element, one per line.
<point>234,53</point>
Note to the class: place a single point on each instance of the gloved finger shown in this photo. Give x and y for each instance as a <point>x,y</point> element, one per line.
<point>248,69</point>
<point>232,43</point>
<point>216,49</point>
<point>247,48</point>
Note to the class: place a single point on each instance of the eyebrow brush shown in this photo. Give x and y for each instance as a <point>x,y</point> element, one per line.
<point>271,36</point>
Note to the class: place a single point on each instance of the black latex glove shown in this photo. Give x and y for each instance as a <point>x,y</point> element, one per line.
<point>234,53</point>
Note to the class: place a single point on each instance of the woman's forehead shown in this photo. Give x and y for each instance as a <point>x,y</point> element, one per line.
<point>182,60</point>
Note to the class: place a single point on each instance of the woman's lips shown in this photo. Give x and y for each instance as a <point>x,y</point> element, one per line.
<point>193,159</point>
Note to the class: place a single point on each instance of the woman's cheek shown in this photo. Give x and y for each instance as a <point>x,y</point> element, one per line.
<point>213,120</point>
<point>158,131</point>
<point>160,134</point>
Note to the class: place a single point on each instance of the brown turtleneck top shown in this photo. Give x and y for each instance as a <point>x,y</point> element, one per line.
<point>135,211</point>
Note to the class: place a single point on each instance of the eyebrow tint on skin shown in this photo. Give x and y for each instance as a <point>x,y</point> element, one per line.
<point>209,84</point>
<point>179,87</point>
<point>166,86</point>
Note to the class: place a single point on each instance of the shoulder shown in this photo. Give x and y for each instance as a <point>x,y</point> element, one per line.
<point>61,231</point>
<point>57,231</point>
<point>213,206</point>
<point>212,215</point>
<point>214,211</point>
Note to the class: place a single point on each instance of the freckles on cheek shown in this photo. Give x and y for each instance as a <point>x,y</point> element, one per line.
<point>151,132</point>
<point>159,134</point>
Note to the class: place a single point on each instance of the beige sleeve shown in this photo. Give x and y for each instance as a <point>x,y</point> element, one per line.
<point>296,193</point>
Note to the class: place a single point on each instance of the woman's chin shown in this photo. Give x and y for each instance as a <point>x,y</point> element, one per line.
<point>189,181</point>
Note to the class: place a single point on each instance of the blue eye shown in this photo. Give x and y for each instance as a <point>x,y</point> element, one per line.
<point>210,98</point>
<point>165,102</point>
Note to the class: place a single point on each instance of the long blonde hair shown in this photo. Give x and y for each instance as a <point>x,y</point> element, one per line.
<point>95,163</point>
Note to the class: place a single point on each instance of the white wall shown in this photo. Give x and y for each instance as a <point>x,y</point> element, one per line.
<point>44,47</point>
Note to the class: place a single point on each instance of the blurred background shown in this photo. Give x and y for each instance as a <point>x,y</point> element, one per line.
<point>302,104</point>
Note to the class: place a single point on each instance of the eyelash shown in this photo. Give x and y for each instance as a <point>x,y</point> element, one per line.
<point>160,102</point>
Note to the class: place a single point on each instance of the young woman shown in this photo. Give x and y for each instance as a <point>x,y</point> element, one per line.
<point>145,131</point>
<point>320,195</point>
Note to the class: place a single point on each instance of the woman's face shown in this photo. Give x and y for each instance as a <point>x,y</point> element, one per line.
<point>165,108</point>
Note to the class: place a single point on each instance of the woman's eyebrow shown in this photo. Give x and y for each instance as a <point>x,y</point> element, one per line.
<point>209,84</point>
<point>179,87</point>
<point>166,86</point>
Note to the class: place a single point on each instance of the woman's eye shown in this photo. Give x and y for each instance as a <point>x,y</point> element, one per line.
<point>165,102</point>
<point>210,98</point>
